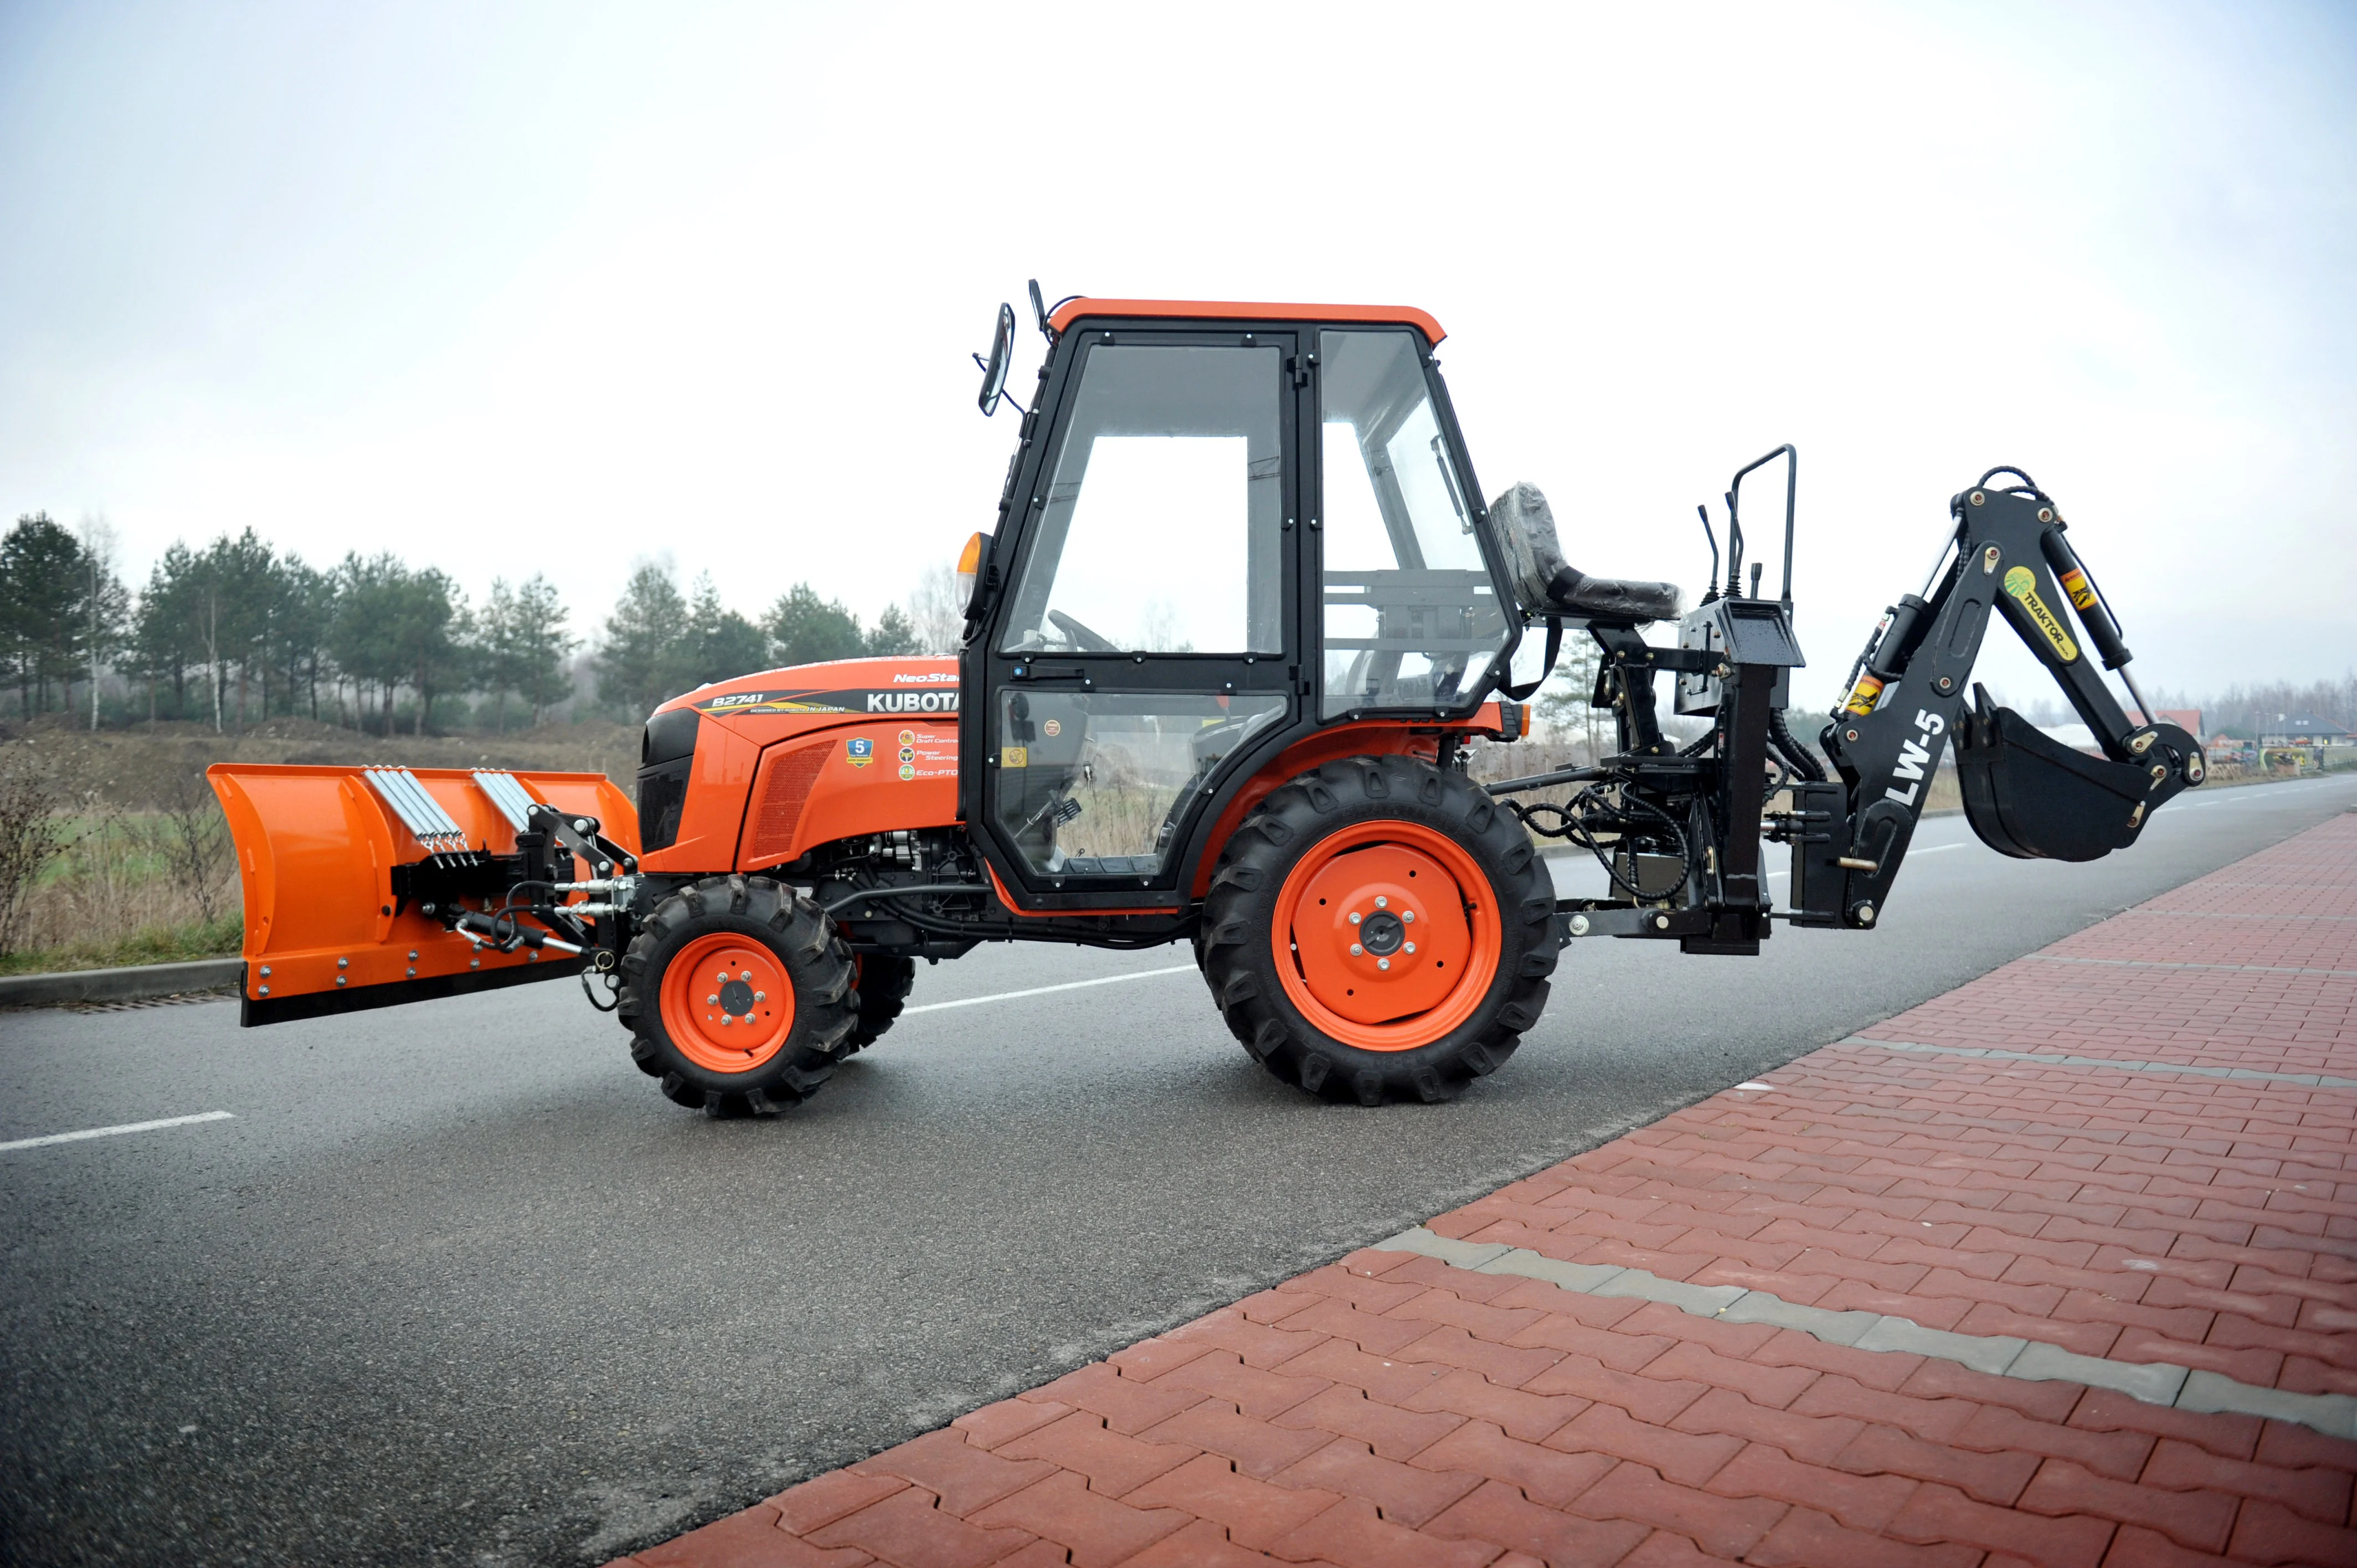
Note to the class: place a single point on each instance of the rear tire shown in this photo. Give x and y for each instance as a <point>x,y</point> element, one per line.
<point>881,986</point>
<point>786,1022</point>
<point>1421,854</point>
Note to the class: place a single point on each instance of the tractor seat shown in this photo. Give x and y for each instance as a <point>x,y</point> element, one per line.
<point>1547,585</point>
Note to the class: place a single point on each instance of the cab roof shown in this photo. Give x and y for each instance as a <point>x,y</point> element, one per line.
<point>1073,310</point>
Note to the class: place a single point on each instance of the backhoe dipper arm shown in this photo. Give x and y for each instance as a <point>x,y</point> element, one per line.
<point>2026,794</point>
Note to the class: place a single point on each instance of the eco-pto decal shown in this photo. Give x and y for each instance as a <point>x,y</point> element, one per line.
<point>1917,757</point>
<point>857,700</point>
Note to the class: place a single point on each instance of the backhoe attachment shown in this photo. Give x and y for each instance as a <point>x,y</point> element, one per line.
<point>1678,829</point>
<point>2026,794</point>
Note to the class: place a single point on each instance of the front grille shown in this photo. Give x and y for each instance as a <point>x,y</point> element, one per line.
<point>662,796</point>
<point>778,796</point>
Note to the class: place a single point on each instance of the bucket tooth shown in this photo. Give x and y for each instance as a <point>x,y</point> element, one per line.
<point>2030,797</point>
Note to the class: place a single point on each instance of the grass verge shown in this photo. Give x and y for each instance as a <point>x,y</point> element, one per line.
<point>150,944</point>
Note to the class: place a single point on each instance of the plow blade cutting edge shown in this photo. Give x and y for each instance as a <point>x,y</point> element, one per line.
<point>326,857</point>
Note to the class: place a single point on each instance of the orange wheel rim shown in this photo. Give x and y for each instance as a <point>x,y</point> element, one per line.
<point>1386,936</point>
<point>728,1002</point>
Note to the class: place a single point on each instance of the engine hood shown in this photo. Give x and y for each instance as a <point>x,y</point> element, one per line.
<point>842,688</point>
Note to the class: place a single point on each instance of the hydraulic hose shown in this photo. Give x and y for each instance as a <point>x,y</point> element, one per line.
<point>1792,751</point>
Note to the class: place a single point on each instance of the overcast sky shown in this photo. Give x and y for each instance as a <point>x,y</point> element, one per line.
<point>517,288</point>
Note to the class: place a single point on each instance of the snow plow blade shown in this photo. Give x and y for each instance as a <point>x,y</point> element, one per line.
<point>324,856</point>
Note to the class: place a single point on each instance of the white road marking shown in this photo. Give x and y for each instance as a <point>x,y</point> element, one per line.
<point>110,1131</point>
<point>1037,991</point>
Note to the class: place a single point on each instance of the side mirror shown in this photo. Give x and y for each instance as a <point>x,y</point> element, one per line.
<point>993,370</point>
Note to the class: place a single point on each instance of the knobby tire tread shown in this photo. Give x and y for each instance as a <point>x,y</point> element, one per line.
<point>1235,940</point>
<point>883,987</point>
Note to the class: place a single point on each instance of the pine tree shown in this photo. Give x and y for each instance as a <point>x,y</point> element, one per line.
<point>720,642</point>
<point>40,592</point>
<point>540,645</point>
<point>806,630</point>
<point>638,654</point>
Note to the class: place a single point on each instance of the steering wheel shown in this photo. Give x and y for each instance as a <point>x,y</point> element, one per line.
<point>1093,641</point>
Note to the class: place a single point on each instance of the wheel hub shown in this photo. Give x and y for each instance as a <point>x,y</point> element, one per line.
<point>728,1002</point>
<point>1379,933</point>
<point>1382,933</point>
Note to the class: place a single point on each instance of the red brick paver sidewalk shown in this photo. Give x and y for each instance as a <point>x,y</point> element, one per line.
<point>1896,1305</point>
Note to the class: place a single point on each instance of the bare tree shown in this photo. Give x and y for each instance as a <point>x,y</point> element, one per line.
<point>29,836</point>
<point>106,606</point>
<point>937,611</point>
<point>193,840</point>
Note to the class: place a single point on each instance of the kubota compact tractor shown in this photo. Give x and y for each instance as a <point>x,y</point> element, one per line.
<point>1241,616</point>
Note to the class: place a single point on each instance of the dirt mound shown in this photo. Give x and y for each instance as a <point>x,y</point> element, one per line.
<point>142,768</point>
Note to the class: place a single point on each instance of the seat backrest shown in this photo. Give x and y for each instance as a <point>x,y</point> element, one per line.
<point>1526,526</point>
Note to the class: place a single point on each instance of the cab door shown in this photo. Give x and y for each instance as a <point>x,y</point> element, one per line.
<point>1144,648</point>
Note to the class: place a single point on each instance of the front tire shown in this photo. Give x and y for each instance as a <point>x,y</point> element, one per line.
<point>737,996</point>
<point>1380,930</point>
<point>881,986</point>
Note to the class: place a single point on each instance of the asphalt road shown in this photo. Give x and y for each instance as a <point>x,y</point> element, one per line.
<point>455,1284</point>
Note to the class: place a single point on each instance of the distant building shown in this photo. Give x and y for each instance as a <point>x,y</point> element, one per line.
<point>2302,729</point>
<point>2187,719</point>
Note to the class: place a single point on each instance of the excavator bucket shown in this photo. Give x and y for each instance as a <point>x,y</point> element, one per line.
<point>2029,796</point>
<point>325,854</point>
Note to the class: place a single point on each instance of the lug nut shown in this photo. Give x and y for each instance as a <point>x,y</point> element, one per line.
<point>1407,917</point>
<point>1356,949</point>
<point>1383,963</point>
<point>1354,917</point>
<point>760,996</point>
<point>1410,948</point>
<point>746,975</point>
<point>713,1000</point>
<point>726,1019</point>
<point>1382,902</point>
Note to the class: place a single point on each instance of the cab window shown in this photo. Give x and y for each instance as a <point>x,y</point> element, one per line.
<point>1411,618</point>
<point>1164,516</point>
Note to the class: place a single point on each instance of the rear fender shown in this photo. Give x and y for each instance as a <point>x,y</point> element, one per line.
<point>324,931</point>
<point>1367,738</point>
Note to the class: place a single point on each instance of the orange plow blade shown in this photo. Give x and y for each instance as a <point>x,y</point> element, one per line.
<point>324,856</point>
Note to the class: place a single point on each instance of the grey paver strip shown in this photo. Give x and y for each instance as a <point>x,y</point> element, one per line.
<point>2001,1355</point>
<point>2175,963</point>
<point>2124,1063</point>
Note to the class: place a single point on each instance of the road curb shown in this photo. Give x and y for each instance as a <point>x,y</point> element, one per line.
<point>135,982</point>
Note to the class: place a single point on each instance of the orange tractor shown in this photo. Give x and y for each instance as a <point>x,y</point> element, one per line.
<point>1240,616</point>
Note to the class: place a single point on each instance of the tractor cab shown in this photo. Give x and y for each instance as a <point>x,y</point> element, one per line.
<point>1228,528</point>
